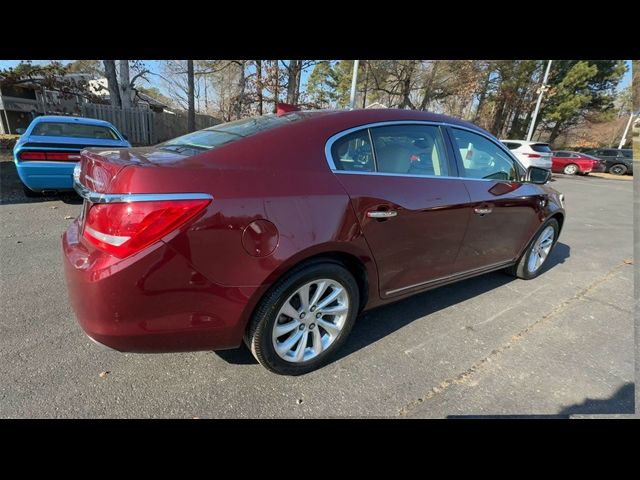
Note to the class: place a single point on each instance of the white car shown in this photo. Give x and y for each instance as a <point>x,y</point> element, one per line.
<point>530,154</point>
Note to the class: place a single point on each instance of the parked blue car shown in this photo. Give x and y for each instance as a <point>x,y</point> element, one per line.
<point>49,149</point>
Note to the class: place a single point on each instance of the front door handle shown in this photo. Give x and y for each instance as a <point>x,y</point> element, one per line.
<point>381,213</point>
<point>483,210</point>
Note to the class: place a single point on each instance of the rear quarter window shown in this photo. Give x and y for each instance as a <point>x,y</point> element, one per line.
<point>74,130</point>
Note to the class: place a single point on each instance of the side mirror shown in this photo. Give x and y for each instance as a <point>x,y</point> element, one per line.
<point>538,175</point>
<point>20,131</point>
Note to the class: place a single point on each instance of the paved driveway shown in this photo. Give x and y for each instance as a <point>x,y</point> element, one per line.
<point>560,344</point>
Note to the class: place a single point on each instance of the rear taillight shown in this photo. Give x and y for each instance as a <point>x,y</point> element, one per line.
<point>52,156</point>
<point>123,229</point>
<point>533,155</point>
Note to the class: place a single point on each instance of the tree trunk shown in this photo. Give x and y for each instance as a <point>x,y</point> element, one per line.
<point>498,119</point>
<point>259,85</point>
<point>112,81</point>
<point>293,72</point>
<point>125,85</point>
<point>238,107</point>
<point>191,113</point>
<point>426,98</point>
<point>366,83</point>
<point>275,93</point>
<point>406,86</point>
<point>555,132</point>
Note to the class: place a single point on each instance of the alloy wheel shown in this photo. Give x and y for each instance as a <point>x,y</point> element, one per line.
<point>541,248</point>
<point>310,320</point>
<point>571,169</point>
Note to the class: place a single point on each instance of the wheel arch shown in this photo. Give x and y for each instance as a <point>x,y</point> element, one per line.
<point>354,257</point>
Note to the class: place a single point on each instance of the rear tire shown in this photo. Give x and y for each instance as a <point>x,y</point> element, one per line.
<point>527,267</point>
<point>30,193</point>
<point>570,169</point>
<point>618,169</point>
<point>322,333</point>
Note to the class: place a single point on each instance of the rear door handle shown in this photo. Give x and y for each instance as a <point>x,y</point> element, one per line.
<point>483,211</point>
<point>382,213</point>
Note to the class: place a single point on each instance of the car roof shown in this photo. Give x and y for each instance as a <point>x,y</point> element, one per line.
<point>361,116</point>
<point>526,142</point>
<point>70,119</point>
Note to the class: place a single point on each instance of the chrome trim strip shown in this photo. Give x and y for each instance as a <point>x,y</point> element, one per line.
<point>452,276</point>
<point>95,197</point>
<point>335,137</point>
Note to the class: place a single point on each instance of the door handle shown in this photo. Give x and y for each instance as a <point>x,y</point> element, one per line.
<point>483,211</point>
<point>382,213</point>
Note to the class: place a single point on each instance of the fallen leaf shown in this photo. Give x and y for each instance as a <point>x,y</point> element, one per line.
<point>104,374</point>
<point>53,208</point>
<point>628,261</point>
<point>68,217</point>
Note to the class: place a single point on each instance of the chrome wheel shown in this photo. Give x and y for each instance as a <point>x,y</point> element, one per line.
<point>571,169</point>
<point>310,320</point>
<point>541,248</point>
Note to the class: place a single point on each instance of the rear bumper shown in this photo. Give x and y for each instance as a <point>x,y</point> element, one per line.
<point>153,301</point>
<point>540,163</point>
<point>46,175</point>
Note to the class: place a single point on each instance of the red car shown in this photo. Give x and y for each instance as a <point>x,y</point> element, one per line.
<point>572,163</point>
<point>279,230</point>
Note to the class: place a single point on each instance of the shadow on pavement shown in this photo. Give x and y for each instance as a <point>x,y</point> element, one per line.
<point>376,324</point>
<point>620,403</point>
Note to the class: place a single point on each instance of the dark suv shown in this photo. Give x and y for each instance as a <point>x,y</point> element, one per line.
<point>618,162</point>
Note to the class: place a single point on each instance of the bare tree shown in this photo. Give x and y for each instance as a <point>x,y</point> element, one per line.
<point>112,82</point>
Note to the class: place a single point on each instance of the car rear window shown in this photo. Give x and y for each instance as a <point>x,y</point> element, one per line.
<point>541,147</point>
<point>512,145</point>
<point>228,132</point>
<point>74,130</point>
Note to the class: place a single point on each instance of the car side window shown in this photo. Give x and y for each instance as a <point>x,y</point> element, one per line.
<point>410,149</point>
<point>353,152</point>
<point>483,159</point>
<point>561,154</point>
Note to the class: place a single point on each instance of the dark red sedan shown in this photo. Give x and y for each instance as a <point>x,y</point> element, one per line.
<point>279,230</point>
<point>572,163</point>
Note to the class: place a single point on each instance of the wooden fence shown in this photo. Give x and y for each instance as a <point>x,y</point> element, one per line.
<point>143,126</point>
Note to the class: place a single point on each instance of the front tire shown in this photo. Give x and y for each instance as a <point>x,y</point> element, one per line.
<point>530,263</point>
<point>618,169</point>
<point>571,169</point>
<point>304,318</point>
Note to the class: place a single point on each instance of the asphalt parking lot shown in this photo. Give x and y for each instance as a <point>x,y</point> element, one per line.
<point>562,344</point>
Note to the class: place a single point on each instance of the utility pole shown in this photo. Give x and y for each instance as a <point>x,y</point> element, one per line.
<point>354,81</point>
<point>626,130</point>
<point>543,88</point>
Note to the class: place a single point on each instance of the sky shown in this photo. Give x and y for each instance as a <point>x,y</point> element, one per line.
<point>155,81</point>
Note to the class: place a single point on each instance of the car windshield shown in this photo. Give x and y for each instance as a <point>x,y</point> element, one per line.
<point>228,132</point>
<point>74,130</point>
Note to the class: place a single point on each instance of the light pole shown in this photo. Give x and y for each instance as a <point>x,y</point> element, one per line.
<point>623,140</point>
<point>535,113</point>
<point>354,81</point>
